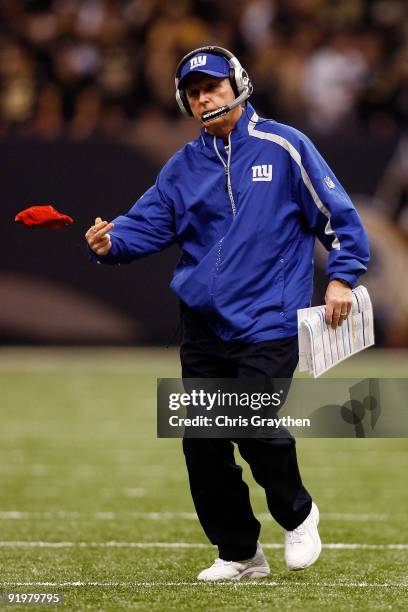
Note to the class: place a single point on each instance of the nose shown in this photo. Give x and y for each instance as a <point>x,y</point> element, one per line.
<point>203,96</point>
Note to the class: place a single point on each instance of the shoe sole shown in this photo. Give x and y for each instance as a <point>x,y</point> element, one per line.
<point>250,572</point>
<point>254,572</point>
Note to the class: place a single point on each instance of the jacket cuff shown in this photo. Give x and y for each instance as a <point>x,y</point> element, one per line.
<point>350,279</point>
<point>109,258</point>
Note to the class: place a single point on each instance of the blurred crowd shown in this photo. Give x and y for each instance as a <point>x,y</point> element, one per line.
<point>80,68</point>
<point>85,69</point>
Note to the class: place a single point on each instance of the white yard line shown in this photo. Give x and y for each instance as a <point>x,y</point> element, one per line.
<point>115,544</point>
<point>287,584</point>
<point>169,516</point>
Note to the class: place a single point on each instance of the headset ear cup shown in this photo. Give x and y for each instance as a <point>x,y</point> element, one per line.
<point>233,81</point>
<point>246,81</point>
<point>183,103</point>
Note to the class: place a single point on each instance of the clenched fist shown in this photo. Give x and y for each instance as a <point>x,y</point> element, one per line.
<point>98,238</point>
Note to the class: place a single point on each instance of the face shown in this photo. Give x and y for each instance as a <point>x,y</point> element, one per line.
<point>205,93</point>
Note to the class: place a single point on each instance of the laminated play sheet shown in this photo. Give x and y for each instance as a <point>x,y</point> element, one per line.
<point>321,347</point>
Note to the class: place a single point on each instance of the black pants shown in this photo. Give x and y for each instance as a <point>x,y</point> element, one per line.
<point>220,495</point>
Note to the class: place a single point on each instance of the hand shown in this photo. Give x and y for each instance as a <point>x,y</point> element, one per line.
<point>98,238</point>
<point>339,299</point>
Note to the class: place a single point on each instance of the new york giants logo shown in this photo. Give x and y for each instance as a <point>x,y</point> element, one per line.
<point>262,173</point>
<point>199,60</point>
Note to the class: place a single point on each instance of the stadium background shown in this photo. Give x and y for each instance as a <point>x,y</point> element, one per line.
<point>88,116</point>
<point>91,502</point>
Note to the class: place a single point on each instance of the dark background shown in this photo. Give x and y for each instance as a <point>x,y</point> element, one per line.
<point>88,117</point>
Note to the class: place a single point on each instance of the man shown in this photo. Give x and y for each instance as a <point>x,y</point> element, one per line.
<point>244,201</point>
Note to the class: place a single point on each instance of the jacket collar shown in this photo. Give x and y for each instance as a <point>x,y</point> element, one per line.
<point>239,132</point>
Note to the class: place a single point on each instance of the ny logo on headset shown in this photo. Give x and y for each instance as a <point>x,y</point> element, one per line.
<point>262,173</point>
<point>200,60</point>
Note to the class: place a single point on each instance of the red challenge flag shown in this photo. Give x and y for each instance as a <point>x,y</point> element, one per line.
<point>42,216</point>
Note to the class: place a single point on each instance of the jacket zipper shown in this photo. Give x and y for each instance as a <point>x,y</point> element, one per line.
<point>233,207</point>
<point>218,259</point>
<point>227,171</point>
<point>217,267</point>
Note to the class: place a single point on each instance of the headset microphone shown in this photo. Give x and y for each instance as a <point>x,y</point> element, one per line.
<point>223,110</point>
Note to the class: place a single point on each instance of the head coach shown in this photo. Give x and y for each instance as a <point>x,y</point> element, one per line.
<point>245,202</point>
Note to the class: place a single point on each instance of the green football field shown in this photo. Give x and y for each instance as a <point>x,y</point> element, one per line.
<point>96,508</point>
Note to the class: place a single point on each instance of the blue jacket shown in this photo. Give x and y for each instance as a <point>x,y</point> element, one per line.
<point>246,221</point>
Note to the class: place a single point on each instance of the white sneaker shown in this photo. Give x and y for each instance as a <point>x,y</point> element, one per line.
<point>256,567</point>
<point>303,545</point>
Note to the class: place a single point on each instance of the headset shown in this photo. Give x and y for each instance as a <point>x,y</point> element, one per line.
<point>239,79</point>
